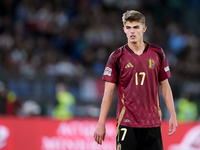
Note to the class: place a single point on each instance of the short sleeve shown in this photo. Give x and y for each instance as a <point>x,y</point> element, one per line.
<point>110,72</point>
<point>164,70</point>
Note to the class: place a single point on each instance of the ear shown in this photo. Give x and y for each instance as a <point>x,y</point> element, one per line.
<point>144,28</point>
<point>124,29</point>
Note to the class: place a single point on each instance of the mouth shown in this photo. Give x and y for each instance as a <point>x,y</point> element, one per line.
<point>132,36</point>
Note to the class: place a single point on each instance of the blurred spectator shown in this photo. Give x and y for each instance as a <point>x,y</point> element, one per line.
<point>66,103</point>
<point>177,39</point>
<point>88,89</point>
<point>6,40</point>
<point>12,104</point>
<point>186,108</point>
<point>9,104</point>
<point>3,94</point>
<point>30,108</point>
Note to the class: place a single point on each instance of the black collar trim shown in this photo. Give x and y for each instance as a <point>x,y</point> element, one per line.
<point>145,50</point>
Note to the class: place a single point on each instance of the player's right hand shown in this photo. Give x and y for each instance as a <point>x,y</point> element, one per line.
<point>99,134</point>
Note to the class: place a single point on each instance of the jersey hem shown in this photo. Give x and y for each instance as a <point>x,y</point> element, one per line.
<point>141,126</point>
<point>164,78</point>
<point>109,81</point>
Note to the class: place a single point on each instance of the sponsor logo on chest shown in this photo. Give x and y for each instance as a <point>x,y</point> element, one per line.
<point>129,65</point>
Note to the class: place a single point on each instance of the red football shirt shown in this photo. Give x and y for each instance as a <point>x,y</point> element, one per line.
<point>137,78</point>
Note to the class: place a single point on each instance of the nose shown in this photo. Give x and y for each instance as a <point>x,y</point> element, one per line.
<point>132,30</point>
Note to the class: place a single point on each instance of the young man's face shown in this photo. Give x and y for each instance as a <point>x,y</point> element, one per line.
<point>134,31</point>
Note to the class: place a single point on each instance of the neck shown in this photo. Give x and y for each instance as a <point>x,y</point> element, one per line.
<point>137,47</point>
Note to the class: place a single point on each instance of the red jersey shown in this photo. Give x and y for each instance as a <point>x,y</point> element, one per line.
<point>137,78</point>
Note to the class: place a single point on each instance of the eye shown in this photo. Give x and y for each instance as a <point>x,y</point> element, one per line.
<point>136,27</point>
<point>127,27</point>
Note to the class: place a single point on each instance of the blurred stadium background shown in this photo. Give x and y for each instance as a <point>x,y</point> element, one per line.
<point>46,43</point>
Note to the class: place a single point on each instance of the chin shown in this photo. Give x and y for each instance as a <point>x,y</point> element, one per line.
<point>133,41</point>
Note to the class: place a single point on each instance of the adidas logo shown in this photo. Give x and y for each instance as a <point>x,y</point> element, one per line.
<point>129,65</point>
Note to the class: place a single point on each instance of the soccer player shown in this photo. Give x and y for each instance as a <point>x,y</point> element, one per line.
<point>137,69</point>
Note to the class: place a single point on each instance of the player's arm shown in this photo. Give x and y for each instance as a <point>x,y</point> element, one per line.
<point>168,98</point>
<point>100,131</point>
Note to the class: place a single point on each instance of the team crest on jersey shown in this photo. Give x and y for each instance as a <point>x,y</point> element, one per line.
<point>151,63</point>
<point>118,146</point>
<point>107,71</point>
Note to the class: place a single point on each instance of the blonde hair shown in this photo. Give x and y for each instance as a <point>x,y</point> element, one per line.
<point>133,15</point>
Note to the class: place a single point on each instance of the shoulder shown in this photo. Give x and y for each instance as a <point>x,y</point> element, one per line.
<point>117,53</point>
<point>155,47</point>
<point>158,50</point>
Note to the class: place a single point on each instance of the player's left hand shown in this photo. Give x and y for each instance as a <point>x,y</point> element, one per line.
<point>173,125</point>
